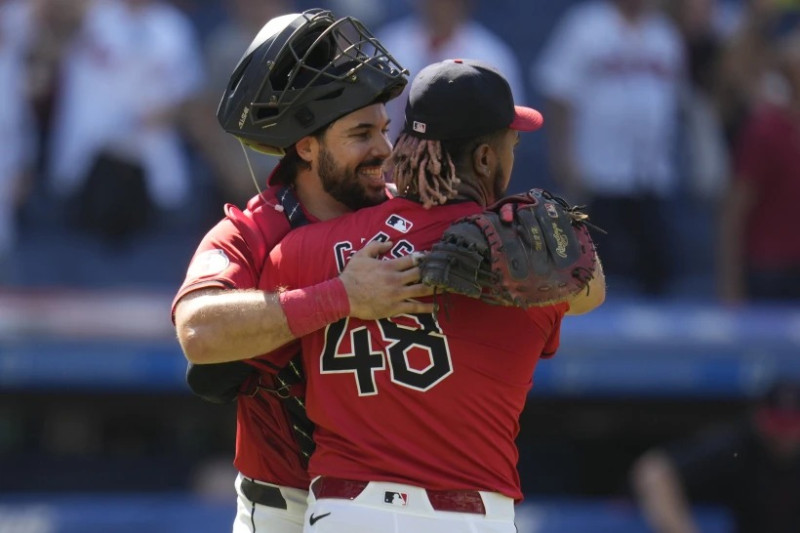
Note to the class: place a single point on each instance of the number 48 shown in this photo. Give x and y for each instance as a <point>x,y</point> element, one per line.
<point>363,361</point>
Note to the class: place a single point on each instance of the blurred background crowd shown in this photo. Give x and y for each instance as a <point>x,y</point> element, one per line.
<point>677,122</point>
<point>673,121</point>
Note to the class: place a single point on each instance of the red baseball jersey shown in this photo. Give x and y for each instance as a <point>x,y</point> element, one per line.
<point>432,401</point>
<point>232,256</point>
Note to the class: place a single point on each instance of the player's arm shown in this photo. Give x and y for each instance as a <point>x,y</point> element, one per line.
<point>659,491</point>
<point>739,201</point>
<point>593,296</point>
<point>216,325</point>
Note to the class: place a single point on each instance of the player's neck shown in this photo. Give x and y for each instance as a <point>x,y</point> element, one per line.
<point>473,190</point>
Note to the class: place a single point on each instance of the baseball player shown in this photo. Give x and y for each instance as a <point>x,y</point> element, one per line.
<point>297,92</point>
<point>416,415</point>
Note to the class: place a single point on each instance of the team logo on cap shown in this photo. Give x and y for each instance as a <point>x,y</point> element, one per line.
<point>208,263</point>
<point>395,498</point>
<point>399,223</point>
<point>419,127</point>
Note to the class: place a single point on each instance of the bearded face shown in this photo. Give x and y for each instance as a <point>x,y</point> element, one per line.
<point>354,186</point>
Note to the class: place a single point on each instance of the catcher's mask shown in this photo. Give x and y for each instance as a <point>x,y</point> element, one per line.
<point>302,72</point>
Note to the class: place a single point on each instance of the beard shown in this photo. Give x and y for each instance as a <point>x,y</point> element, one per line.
<point>344,185</point>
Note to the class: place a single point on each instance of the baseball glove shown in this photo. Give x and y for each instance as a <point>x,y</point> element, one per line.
<point>525,250</point>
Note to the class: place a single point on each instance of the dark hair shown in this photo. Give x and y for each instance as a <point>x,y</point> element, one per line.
<point>292,163</point>
<point>431,170</point>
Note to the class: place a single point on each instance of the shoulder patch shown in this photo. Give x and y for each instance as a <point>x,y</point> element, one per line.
<point>208,263</point>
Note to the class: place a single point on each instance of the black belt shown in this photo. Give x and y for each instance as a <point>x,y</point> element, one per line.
<point>263,494</point>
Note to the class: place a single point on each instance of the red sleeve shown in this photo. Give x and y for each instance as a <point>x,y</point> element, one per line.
<point>557,314</point>
<point>223,259</point>
<point>232,254</point>
<point>280,269</point>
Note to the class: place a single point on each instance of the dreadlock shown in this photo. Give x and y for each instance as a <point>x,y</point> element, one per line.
<point>428,169</point>
<point>422,168</point>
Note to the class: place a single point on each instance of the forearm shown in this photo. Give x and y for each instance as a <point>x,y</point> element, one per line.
<point>661,496</point>
<point>218,326</point>
<point>730,254</point>
<point>223,326</point>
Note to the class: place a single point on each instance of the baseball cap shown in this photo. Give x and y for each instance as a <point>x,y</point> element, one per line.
<point>461,99</point>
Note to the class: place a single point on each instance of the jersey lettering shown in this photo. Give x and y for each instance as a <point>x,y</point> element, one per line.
<point>343,251</point>
<point>402,248</point>
<point>423,333</point>
<point>380,237</point>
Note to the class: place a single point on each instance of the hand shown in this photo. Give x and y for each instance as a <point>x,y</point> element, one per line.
<point>380,288</point>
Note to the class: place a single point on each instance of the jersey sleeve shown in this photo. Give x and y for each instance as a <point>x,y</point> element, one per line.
<point>282,266</point>
<point>553,341</point>
<point>227,257</point>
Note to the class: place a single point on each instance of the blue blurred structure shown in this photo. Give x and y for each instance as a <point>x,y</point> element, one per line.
<point>623,349</point>
<point>178,513</point>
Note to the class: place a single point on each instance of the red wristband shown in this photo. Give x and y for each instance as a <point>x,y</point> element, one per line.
<point>314,307</point>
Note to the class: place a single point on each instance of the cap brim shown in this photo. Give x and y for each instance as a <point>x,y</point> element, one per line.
<point>526,119</point>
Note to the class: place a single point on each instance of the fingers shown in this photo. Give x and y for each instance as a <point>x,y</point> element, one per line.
<point>406,262</point>
<point>407,277</point>
<point>375,248</point>
<point>411,307</point>
<point>417,290</point>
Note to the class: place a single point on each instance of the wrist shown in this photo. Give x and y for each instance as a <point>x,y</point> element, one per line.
<point>313,308</point>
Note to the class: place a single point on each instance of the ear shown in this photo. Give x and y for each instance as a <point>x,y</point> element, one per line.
<point>484,159</point>
<point>307,148</point>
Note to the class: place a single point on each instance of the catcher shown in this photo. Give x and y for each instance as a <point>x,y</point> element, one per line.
<point>525,250</point>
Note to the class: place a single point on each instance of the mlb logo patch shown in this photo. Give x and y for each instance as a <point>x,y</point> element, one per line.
<point>208,263</point>
<point>399,223</point>
<point>395,498</point>
<point>419,127</point>
<point>551,210</point>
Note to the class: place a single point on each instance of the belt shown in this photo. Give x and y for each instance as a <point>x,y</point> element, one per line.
<point>267,495</point>
<point>458,501</point>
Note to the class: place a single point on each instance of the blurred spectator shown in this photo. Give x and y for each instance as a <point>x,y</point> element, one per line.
<point>16,135</point>
<point>752,468</point>
<point>115,151</point>
<point>52,25</point>
<point>223,49</point>
<point>439,30</point>
<point>612,74</point>
<point>759,249</point>
<point>746,71</point>
<point>705,162</point>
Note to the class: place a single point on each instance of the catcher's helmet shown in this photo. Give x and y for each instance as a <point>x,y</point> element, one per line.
<point>302,72</point>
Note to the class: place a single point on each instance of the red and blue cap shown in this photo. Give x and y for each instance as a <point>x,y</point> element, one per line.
<point>462,99</point>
